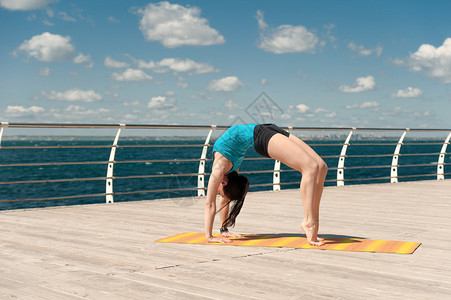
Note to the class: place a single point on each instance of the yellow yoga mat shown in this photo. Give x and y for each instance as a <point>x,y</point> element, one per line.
<point>296,241</point>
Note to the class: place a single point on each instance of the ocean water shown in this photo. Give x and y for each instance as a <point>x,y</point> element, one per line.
<point>98,168</point>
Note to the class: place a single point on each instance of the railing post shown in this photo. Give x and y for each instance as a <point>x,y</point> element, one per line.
<point>109,173</point>
<point>4,125</point>
<point>441,159</point>
<point>341,160</point>
<point>200,175</point>
<point>276,173</point>
<point>276,176</point>
<point>395,159</point>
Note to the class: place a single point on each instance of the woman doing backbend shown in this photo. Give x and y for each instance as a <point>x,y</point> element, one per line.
<point>269,141</point>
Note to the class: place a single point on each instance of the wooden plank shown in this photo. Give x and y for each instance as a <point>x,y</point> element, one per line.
<point>107,251</point>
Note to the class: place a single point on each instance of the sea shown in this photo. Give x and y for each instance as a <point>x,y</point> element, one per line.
<point>141,161</point>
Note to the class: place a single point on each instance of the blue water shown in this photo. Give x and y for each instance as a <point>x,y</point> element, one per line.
<point>49,190</point>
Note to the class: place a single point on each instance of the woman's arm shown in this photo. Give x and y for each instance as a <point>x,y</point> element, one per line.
<point>210,203</point>
<point>220,166</point>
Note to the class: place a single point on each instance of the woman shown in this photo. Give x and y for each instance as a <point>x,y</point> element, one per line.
<point>269,141</point>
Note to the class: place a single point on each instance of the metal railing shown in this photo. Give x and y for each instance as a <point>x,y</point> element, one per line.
<point>332,156</point>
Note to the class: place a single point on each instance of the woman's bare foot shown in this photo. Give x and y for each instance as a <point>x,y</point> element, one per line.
<point>317,230</point>
<point>312,234</point>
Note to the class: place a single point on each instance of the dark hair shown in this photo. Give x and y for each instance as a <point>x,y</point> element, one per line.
<point>236,190</point>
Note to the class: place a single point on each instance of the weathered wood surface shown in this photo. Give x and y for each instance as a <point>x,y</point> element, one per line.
<point>108,251</point>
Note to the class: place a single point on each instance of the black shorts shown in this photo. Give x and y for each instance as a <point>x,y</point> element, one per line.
<point>262,134</point>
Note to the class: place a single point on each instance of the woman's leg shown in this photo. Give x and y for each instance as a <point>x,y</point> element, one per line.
<point>288,151</point>
<point>321,174</point>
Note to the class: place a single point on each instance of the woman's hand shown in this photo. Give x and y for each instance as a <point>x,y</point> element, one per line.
<point>230,235</point>
<point>218,239</point>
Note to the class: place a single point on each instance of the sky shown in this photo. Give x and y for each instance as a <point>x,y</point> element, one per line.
<point>324,63</point>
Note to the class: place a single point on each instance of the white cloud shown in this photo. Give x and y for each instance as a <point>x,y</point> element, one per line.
<point>435,62</point>
<point>44,72</point>
<point>260,19</point>
<point>399,62</point>
<point>321,110</point>
<point>329,27</point>
<point>113,19</point>
<point>181,83</point>
<point>25,4</point>
<point>360,50</point>
<point>65,17</point>
<point>19,110</point>
<point>48,23</point>
<point>285,116</point>
<point>132,104</point>
<point>131,75</point>
<point>232,105</point>
<point>49,12</point>
<point>81,59</point>
<point>361,84</point>
<point>161,103</point>
<point>112,94</point>
<point>302,108</point>
<point>331,115</point>
<point>111,63</point>
<point>263,81</point>
<point>151,65</point>
<point>327,113</point>
<point>75,109</point>
<point>373,105</point>
<point>409,92</point>
<point>203,96</point>
<point>187,65</point>
<point>285,38</point>
<point>177,65</point>
<point>80,113</point>
<point>74,95</point>
<point>175,25</point>
<point>226,84</point>
<point>127,118</point>
<point>370,105</point>
<point>48,47</point>
<point>301,112</point>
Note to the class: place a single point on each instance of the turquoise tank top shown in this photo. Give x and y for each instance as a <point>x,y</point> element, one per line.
<point>234,143</point>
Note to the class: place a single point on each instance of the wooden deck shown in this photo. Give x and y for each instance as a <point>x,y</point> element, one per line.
<point>108,251</point>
